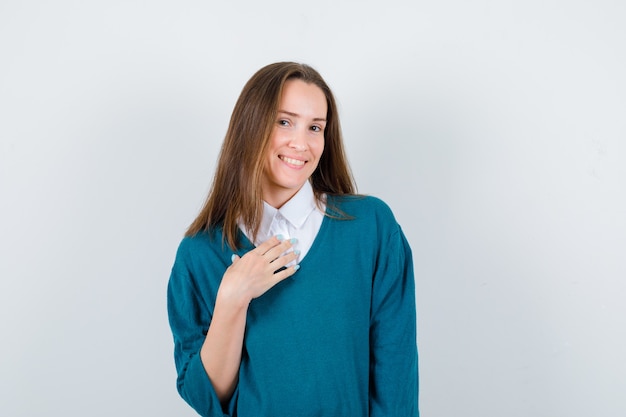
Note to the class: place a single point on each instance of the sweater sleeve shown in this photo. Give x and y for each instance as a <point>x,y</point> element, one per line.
<point>393,349</point>
<point>189,320</point>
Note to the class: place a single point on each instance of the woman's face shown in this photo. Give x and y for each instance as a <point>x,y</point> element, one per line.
<point>296,142</point>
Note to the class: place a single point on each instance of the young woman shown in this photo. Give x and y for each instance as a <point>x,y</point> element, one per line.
<point>290,294</point>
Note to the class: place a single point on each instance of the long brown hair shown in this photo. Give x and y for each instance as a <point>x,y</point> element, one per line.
<point>236,191</point>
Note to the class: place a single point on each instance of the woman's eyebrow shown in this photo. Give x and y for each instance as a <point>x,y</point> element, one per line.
<point>316,119</point>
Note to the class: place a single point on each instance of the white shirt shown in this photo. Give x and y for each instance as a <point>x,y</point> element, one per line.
<point>298,218</point>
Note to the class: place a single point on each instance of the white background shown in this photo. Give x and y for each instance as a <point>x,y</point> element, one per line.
<point>496,131</point>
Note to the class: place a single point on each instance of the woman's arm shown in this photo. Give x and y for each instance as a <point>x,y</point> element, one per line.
<point>247,278</point>
<point>394,382</point>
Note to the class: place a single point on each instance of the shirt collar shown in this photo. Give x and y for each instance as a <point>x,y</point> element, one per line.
<point>296,210</point>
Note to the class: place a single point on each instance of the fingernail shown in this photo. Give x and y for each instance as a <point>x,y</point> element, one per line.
<point>280,237</point>
<point>293,240</point>
<point>296,251</point>
<point>296,267</point>
<point>232,258</point>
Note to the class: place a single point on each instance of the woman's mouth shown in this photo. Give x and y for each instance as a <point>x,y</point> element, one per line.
<point>291,161</point>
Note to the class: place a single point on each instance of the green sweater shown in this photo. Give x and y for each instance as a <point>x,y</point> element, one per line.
<point>338,338</point>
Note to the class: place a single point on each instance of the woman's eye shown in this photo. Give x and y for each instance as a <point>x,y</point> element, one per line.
<point>283,122</point>
<point>316,128</point>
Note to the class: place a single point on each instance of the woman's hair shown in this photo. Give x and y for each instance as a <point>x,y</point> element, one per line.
<point>236,191</point>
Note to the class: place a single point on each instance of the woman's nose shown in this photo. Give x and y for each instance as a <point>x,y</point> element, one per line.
<point>298,141</point>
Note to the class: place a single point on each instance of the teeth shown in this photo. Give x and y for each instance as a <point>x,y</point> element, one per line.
<point>292,161</point>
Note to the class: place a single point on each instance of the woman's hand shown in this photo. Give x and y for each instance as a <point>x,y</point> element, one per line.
<point>257,271</point>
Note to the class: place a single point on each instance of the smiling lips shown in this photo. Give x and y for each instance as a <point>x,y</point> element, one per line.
<point>291,161</point>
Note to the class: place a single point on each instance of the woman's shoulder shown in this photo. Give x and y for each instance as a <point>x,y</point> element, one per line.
<point>359,206</point>
<point>204,241</point>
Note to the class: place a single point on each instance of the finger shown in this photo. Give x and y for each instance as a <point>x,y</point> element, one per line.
<point>282,261</point>
<point>283,274</point>
<point>234,258</point>
<point>267,245</point>
<point>278,250</point>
